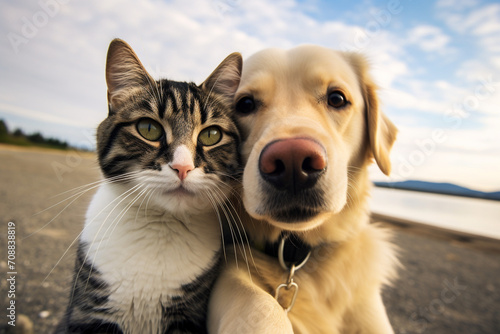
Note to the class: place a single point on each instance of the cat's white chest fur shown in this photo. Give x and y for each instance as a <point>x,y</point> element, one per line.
<point>145,256</point>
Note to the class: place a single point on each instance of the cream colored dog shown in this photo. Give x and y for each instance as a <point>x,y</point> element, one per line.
<point>311,125</point>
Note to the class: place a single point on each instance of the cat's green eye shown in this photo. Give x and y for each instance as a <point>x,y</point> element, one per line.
<point>150,129</point>
<point>210,136</point>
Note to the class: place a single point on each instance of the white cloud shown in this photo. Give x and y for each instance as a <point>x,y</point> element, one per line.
<point>482,22</point>
<point>37,115</point>
<point>429,38</point>
<point>456,4</point>
<point>411,100</point>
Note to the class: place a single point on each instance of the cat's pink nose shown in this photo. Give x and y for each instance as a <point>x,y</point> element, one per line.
<point>182,162</point>
<point>182,169</point>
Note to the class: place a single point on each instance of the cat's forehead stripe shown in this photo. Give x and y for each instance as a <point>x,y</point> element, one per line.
<point>171,105</point>
<point>198,111</point>
<point>192,104</point>
<point>178,101</point>
<point>162,105</point>
<point>186,99</point>
<point>168,107</point>
<point>203,114</point>
<point>145,105</point>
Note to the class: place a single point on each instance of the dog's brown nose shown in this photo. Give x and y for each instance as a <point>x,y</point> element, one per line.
<point>292,164</point>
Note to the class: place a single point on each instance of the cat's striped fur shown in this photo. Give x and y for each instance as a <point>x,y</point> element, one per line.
<point>151,246</point>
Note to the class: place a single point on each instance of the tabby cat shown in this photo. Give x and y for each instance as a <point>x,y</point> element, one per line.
<point>151,246</point>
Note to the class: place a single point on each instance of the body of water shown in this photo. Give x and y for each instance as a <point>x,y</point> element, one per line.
<point>475,216</point>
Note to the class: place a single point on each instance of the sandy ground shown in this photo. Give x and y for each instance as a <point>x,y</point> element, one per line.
<point>449,284</point>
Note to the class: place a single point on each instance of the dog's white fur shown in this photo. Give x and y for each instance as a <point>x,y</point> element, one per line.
<point>352,259</point>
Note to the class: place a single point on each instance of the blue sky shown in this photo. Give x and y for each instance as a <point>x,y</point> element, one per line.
<point>437,63</point>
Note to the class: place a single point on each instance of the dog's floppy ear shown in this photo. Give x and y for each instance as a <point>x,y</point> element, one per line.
<point>381,131</point>
<point>225,79</point>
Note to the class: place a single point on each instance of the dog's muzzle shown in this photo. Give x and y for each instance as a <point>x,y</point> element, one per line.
<point>292,165</point>
<point>290,170</point>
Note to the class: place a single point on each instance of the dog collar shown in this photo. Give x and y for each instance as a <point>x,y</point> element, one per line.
<point>289,249</point>
<point>292,254</point>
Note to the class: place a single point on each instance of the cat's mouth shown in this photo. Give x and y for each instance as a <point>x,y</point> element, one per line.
<point>180,191</point>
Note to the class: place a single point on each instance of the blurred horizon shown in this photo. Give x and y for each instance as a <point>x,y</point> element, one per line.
<point>438,210</point>
<point>437,63</point>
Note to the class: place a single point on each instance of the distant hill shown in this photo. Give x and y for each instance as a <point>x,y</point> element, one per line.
<point>439,188</point>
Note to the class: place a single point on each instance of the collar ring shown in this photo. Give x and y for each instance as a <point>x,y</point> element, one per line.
<point>295,266</point>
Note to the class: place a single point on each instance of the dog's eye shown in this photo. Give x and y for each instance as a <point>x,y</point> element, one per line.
<point>336,99</point>
<point>245,105</point>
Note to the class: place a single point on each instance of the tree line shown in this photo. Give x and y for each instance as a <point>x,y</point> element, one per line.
<point>18,137</point>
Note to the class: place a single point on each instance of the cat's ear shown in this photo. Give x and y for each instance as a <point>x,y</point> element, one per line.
<point>225,79</point>
<point>124,71</point>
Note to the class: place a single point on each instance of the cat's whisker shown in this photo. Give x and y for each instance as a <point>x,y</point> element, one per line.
<point>220,202</point>
<point>118,218</point>
<point>120,177</point>
<point>158,91</point>
<point>124,195</point>
<point>62,256</point>
<point>116,221</point>
<point>160,96</point>
<point>228,188</point>
<point>93,185</point>
<point>241,232</point>
<point>233,189</point>
<point>72,243</point>
<point>213,202</point>
<point>57,215</point>
<point>147,202</point>
<point>142,202</point>
<point>234,177</point>
<point>226,203</point>
<point>241,245</point>
<point>154,94</point>
<point>231,229</point>
<point>75,197</point>
<point>209,99</point>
